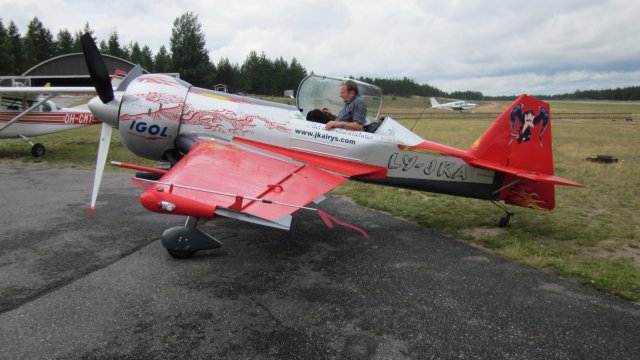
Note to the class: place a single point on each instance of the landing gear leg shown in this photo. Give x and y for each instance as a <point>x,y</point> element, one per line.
<point>504,221</point>
<point>182,242</point>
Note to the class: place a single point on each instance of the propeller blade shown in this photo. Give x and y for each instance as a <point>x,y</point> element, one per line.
<point>97,68</point>
<point>103,150</point>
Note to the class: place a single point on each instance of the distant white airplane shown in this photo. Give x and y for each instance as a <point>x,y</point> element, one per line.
<point>455,105</point>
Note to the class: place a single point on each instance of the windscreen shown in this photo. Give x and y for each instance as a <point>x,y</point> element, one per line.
<point>317,92</point>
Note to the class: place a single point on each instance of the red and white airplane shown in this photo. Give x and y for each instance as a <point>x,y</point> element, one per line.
<point>260,161</point>
<point>29,111</point>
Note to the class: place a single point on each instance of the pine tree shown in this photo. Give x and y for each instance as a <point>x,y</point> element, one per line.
<point>228,74</point>
<point>296,73</point>
<point>113,45</point>
<point>162,61</point>
<point>63,43</point>
<point>6,58</point>
<point>15,48</point>
<point>38,43</point>
<point>189,55</point>
<point>147,58</point>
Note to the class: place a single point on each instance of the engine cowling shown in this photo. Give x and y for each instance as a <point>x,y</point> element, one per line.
<point>150,114</point>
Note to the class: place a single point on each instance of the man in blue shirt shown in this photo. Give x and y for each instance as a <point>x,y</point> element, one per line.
<point>353,115</point>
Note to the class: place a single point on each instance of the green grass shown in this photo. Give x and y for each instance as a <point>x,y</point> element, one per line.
<point>393,104</point>
<point>75,149</point>
<point>592,236</point>
<point>595,106</point>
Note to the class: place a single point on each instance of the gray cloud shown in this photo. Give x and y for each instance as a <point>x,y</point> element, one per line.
<point>499,48</point>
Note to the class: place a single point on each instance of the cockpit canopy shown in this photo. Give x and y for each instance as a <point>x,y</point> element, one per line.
<point>323,91</point>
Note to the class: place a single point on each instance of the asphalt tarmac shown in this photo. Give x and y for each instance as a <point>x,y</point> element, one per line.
<point>104,288</point>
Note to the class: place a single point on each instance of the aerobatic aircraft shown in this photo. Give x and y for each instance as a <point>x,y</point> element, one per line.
<point>259,161</point>
<point>29,111</point>
<point>454,105</point>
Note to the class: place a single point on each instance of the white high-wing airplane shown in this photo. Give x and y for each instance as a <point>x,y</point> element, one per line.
<point>455,105</point>
<point>29,111</point>
<point>26,112</point>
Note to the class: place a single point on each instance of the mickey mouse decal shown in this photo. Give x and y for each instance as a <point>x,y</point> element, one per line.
<point>526,122</point>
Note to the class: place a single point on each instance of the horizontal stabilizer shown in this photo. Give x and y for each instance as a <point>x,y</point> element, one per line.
<point>527,174</point>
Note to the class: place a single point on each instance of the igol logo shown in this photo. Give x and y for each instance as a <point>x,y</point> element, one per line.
<point>154,130</point>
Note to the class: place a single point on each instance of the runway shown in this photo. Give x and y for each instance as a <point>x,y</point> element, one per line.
<point>104,288</point>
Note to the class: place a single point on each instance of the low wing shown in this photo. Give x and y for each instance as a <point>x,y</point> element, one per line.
<point>233,180</point>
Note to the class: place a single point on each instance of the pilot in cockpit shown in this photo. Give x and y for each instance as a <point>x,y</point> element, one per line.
<point>353,115</point>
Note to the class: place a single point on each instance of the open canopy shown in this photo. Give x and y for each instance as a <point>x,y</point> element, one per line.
<point>320,91</point>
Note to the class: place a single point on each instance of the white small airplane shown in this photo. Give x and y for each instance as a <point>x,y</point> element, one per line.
<point>26,112</point>
<point>29,111</point>
<point>455,105</point>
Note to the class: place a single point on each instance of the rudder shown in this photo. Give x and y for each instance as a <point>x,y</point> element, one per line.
<point>518,144</point>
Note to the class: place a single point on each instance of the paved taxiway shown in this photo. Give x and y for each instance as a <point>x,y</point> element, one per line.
<point>74,288</point>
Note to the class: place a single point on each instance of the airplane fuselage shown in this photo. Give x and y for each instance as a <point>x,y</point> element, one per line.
<point>149,126</point>
<point>41,123</point>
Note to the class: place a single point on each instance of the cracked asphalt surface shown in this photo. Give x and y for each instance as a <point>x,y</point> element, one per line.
<point>104,288</point>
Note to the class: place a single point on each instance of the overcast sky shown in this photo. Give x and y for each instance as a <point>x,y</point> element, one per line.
<point>498,47</point>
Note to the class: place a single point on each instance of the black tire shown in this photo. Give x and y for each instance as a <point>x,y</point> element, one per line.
<point>181,254</point>
<point>37,150</point>
<point>504,221</point>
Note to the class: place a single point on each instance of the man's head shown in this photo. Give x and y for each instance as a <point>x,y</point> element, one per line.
<point>529,115</point>
<point>348,90</point>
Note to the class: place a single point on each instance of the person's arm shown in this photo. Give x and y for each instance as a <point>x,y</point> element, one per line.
<point>344,125</point>
<point>328,113</point>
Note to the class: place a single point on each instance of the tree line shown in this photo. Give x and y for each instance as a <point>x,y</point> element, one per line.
<point>187,55</point>
<point>617,94</point>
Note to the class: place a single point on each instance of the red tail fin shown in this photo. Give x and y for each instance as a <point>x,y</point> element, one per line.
<point>519,145</point>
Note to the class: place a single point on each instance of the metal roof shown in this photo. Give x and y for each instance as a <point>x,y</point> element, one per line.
<point>74,64</point>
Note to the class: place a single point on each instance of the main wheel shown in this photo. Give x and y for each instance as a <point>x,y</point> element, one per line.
<point>181,254</point>
<point>37,150</point>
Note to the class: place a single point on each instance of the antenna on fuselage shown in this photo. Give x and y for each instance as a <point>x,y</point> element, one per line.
<point>419,117</point>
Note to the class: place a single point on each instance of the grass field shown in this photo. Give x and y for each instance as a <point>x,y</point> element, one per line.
<point>592,236</point>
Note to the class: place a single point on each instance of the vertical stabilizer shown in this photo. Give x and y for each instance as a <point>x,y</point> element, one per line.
<point>519,138</point>
<point>519,144</point>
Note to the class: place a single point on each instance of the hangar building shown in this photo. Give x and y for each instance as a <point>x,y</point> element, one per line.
<point>70,70</point>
